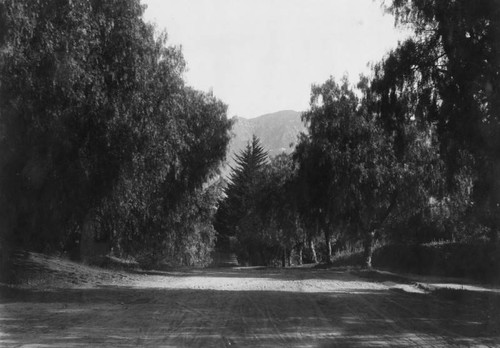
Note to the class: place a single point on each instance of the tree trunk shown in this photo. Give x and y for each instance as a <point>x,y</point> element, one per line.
<point>301,253</point>
<point>283,260</point>
<point>313,251</point>
<point>88,252</point>
<point>368,248</point>
<point>289,258</point>
<point>328,245</point>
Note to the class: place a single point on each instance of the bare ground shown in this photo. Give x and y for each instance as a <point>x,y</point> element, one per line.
<point>69,305</point>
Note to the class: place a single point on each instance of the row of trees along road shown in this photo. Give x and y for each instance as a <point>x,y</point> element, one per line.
<point>411,154</point>
<point>100,134</point>
<point>345,179</point>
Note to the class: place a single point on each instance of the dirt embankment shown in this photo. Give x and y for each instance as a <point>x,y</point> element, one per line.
<point>86,306</point>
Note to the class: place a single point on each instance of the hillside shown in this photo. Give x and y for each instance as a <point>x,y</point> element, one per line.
<point>276,131</point>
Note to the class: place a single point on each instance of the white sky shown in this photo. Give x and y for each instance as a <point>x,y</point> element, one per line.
<point>261,56</point>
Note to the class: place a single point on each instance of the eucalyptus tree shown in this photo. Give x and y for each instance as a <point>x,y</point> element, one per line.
<point>310,179</point>
<point>317,154</point>
<point>95,120</point>
<point>278,207</point>
<point>448,75</point>
<point>359,184</point>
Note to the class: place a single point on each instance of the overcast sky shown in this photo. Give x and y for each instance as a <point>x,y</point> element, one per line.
<point>261,56</point>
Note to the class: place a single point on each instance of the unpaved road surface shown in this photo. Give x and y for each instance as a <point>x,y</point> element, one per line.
<point>247,308</point>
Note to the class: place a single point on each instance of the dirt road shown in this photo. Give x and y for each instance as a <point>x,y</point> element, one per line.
<point>248,308</point>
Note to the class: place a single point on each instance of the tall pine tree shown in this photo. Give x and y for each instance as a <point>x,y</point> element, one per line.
<point>235,217</point>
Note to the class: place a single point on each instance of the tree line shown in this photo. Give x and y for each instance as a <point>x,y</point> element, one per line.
<point>407,155</point>
<point>98,128</point>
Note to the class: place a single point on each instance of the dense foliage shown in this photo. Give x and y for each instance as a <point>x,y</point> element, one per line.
<point>448,75</point>
<point>97,124</point>
<point>258,217</point>
<point>100,136</point>
<point>278,206</point>
<point>351,172</point>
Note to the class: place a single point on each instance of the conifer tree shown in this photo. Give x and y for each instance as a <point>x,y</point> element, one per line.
<point>236,212</point>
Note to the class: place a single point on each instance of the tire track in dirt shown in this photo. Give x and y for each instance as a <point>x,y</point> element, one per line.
<point>446,335</point>
<point>376,310</point>
<point>269,318</point>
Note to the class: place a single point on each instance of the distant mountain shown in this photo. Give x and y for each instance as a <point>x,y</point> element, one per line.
<point>276,131</point>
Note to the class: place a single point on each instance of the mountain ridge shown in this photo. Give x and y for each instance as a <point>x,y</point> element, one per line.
<point>277,132</point>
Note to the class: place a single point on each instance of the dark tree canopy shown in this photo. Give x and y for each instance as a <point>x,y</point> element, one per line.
<point>95,120</point>
<point>448,75</point>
